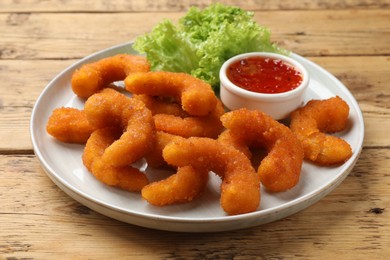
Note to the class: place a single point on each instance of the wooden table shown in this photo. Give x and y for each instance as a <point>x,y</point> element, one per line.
<point>351,39</point>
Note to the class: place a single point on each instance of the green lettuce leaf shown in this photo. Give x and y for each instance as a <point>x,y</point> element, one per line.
<point>203,40</point>
<point>168,49</point>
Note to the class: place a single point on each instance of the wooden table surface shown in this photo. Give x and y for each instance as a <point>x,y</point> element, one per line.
<point>38,39</point>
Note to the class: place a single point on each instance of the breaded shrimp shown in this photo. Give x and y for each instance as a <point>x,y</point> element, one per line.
<point>124,177</point>
<point>196,96</point>
<point>154,157</point>
<point>281,167</point>
<point>161,105</point>
<point>240,188</point>
<point>311,122</point>
<point>169,117</point>
<point>69,125</point>
<point>111,108</point>
<point>227,138</point>
<point>92,77</point>
<point>183,186</point>
<point>201,126</point>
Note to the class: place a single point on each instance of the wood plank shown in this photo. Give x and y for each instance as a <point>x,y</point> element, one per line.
<point>329,33</point>
<point>166,5</point>
<point>349,38</point>
<point>366,77</point>
<point>22,83</point>
<point>60,36</point>
<point>40,221</point>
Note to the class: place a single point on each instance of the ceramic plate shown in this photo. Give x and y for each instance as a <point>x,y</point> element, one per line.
<point>62,163</point>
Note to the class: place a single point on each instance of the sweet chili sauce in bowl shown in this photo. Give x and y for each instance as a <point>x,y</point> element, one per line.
<point>264,75</point>
<point>269,82</point>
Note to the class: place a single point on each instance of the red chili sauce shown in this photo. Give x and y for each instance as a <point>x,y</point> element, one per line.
<point>264,75</point>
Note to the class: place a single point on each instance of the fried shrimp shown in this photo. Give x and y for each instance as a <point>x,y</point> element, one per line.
<point>200,126</point>
<point>227,138</point>
<point>183,186</point>
<point>69,125</point>
<point>124,177</point>
<point>161,105</point>
<point>281,167</point>
<point>311,123</point>
<point>154,157</point>
<point>111,108</point>
<point>169,117</point>
<point>240,188</point>
<point>196,96</point>
<point>92,77</point>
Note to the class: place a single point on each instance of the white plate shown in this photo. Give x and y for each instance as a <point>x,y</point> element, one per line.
<point>62,163</point>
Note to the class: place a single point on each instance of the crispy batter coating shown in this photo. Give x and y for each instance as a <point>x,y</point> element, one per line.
<point>240,188</point>
<point>124,177</point>
<point>280,169</point>
<point>111,108</point>
<point>154,157</point>
<point>227,138</point>
<point>311,123</point>
<point>169,117</point>
<point>92,77</point>
<point>201,126</point>
<point>196,96</point>
<point>183,186</point>
<point>106,107</point>
<point>160,105</point>
<point>69,125</point>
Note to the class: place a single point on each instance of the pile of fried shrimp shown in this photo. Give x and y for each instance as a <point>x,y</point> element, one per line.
<point>174,120</point>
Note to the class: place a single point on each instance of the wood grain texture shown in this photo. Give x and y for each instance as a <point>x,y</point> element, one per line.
<point>169,5</point>
<point>39,39</point>
<point>341,223</point>
<point>74,35</point>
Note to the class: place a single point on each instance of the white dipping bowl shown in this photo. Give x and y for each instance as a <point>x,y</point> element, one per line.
<point>277,105</point>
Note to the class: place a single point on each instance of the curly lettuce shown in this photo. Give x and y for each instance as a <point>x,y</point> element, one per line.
<point>203,40</point>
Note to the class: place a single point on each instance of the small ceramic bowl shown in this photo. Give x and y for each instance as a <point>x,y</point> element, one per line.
<point>277,105</point>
